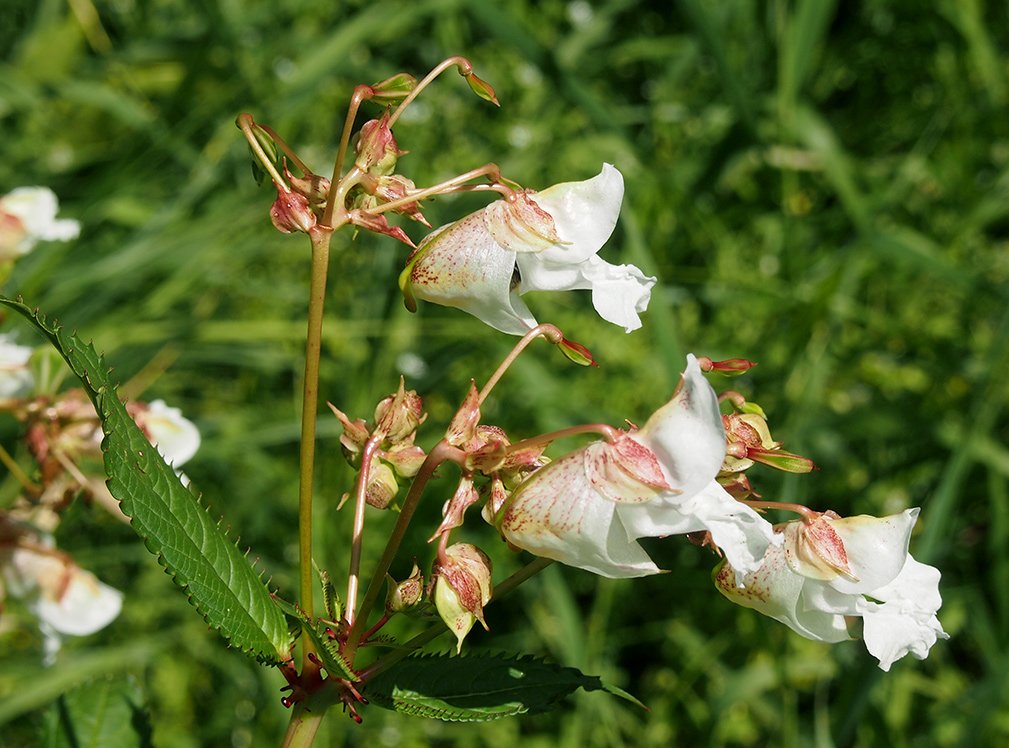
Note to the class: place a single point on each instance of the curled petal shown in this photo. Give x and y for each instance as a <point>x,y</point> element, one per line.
<point>905,621</point>
<point>686,434</point>
<point>876,548</point>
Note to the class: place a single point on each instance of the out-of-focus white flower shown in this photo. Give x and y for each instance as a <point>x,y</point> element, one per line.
<point>66,599</point>
<point>589,508</point>
<point>175,436</point>
<point>28,216</point>
<point>15,377</point>
<point>534,241</point>
<point>833,567</point>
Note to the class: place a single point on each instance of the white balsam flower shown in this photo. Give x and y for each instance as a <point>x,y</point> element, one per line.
<point>533,241</point>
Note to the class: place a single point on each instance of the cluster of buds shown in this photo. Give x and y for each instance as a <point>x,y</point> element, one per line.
<point>749,442</point>
<point>389,442</point>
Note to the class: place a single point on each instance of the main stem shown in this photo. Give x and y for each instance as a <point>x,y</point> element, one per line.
<point>320,237</point>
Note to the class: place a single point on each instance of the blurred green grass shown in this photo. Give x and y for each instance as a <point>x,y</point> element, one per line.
<point>821,187</point>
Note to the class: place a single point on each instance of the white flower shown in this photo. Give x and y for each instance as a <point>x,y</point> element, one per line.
<point>536,241</point>
<point>589,508</point>
<point>16,378</point>
<point>27,216</point>
<point>831,567</point>
<point>66,599</point>
<point>175,436</point>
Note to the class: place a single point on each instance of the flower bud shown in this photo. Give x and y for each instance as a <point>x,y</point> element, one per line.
<point>291,212</point>
<point>462,429</point>
<point>731,367</point>
<point>314,187</point>
<point>405,459</point>
<point>455,508</point>
<point>462,587</point>
<point>404,594</point>
<point>382,485</point>
<point>396,187</point>
<point>377,151</point>
<point>398,415</point>
<point>394,89</point>
<point>749,441</point>
<point>482,88</point>
<point>354,436</point>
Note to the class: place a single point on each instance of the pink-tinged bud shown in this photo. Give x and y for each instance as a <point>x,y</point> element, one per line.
<point>354,436</point>
<point>314,187</point>
<point>462,430</point>
<point>398,415</point>
<point>379,224</point>
<point>377,152</point>
<point>291,212</point>
<point>394,89</point>
<point>577,353</point>
<point>482,88</point>
<point>462,587</point>
<point>382,485</point>
<point>731,367</point>
<point>405,459</point>
<point>396,187</point>
<point>497,495</point>
<point>455,508</point>
<point>738,486</point>
<point>487,450</point>
<point>405,594</point>
<point>749,441</point>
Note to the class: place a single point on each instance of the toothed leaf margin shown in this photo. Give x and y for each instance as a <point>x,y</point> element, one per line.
<point>477,688</point>
<point>216,576</point>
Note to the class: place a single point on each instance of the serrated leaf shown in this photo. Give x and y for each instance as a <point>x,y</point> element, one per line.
<point>476,688</point>
<point>217,577</point>
<point>102,713</point>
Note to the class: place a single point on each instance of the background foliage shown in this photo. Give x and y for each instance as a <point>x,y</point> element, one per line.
<point>820,187</point>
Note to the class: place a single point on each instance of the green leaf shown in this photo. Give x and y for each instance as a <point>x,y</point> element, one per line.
<point>107,712</point>
<point>477,688</point>
<point>217,577</point>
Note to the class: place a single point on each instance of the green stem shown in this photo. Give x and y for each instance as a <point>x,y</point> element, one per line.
<point>361,94</point>
<point>465,68</point>
<point>310,405</point>
<point>357,538</point>
<point>22,477</point>
<point>550,332</point>
<point>491,171</point>
<point>608,432</point>
<point>303,726</point>
<point>441,452</point>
